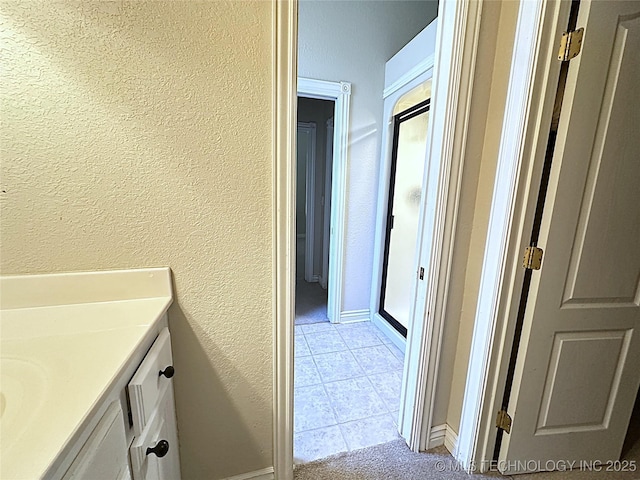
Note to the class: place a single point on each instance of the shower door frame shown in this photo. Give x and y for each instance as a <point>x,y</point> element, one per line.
<point>411,112</point>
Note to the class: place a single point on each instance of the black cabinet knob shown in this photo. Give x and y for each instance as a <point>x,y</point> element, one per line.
<point>167,372</point>
<point>160,450</point>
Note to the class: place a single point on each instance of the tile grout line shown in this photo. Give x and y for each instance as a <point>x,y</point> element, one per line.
<point>333,409</point>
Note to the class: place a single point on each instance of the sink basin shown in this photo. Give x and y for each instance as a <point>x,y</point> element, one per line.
<point>23,387</point>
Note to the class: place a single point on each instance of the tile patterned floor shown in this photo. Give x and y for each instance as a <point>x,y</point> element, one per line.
<point>347,389</point>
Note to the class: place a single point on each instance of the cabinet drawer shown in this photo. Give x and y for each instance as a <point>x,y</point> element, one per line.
<point>103,456</point>
<point>154,454</point>
<point>145,386</point>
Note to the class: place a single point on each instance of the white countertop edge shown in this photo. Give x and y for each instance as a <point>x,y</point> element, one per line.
<point>28,291</point>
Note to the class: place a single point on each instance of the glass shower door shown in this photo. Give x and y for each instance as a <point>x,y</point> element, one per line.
<point>405,188</point>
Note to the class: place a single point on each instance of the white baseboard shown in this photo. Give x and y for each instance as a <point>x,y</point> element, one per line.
<point>264,474</point>
<point>436,438</point>
<point>451,441</point>
<point>351,316</point>
<point>443,435</point>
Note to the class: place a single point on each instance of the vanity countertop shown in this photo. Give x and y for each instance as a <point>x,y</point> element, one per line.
<point>58,361</point>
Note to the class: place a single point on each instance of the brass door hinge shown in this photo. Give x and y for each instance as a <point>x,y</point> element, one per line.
<point>532,258</point>
<point>570,45</point>
<point>503,421</point>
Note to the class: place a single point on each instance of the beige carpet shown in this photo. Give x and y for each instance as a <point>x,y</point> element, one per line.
<point>389,461</point>
<point>394,461</point>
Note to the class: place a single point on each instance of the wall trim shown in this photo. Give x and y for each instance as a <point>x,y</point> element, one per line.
<point>285,100</point>
<point>436,436</point>
<point>351,316</point>
<point>410,75</point>
<point>442,435</point>
<point>455,55</point>
<point>340,93</point>
<point>530,101</point>
<point>326,230</point>
<point>322,89</point>
<point>264,474</point>
<point>451,440</point>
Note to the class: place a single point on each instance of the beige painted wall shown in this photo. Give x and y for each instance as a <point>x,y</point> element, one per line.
<point>138,134</point>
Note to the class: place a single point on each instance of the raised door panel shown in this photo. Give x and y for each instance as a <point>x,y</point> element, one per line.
<point>145,386</point>
<point>585,370</point>
<point>145,464</point>
<point>104,454</point>
<point>605,266</point>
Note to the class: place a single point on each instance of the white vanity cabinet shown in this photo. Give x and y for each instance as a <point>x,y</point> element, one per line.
<point>154,450</point>
<point>103,455</point>
<point>136,437</point>
<point>81,356</point>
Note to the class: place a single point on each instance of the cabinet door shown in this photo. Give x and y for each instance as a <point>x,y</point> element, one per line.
<point>103,456</point>
<point>147,383</point>
<point>149,461</point>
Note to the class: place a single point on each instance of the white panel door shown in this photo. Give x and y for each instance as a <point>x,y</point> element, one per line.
<point>578,367</point>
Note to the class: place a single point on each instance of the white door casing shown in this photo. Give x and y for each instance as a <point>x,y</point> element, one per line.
<point>285,100</point>
<point>340,93</point>
<point>529,107</point>
<point>326,224</point>
<point>455,55</point>
<point>577,372</point>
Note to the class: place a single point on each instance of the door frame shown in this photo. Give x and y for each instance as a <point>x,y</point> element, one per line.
<point>326,225</point>
<point>340,94</point>
<point>285,103</point>
<point>310,200</point>
<point>529,108</point>
<point>455,56</point>
<point>457,42</point>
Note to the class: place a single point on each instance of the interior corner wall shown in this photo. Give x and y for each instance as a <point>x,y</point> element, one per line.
<point>126,143</point>
<point>351,41</point>
<point>488,100</point>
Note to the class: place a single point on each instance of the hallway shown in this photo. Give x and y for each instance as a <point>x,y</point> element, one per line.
<point>311,302</point>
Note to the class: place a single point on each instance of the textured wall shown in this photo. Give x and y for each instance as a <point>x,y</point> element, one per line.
<point>351,41</point>
<point>138,134</point>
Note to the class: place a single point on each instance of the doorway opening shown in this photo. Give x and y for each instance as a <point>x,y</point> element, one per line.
<point>314,160</point>
<point>457,21</point>
<point>347,376</point>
